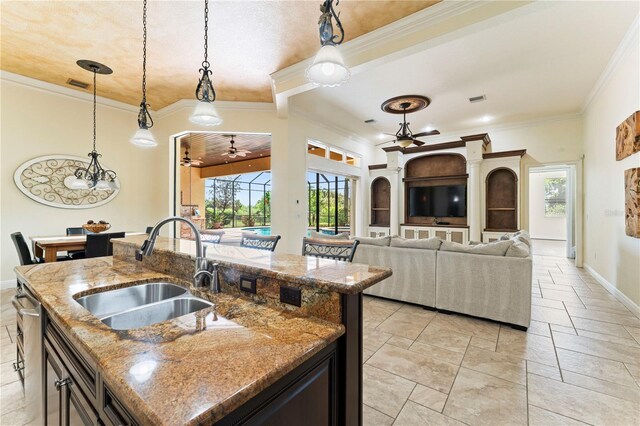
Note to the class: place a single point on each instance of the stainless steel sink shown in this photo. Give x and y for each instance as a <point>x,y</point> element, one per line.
<point>156,312</point>
<point>109,302</point>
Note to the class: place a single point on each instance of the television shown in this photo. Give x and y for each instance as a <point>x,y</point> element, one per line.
<point>438,201</point>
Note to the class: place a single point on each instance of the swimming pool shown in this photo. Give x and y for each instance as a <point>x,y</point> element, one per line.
<point>266,230</point>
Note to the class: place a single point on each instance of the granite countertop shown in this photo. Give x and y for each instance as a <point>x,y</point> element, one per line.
<point>174,372</point>
<point>331,275</point>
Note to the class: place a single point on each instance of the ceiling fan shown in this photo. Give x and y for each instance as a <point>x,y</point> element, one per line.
<point>187,161</point>
<point>234,152</point>
<point>402,105</point>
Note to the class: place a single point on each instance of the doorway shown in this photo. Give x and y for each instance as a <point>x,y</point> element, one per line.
<point>551,210</point>
<point>330,203</point>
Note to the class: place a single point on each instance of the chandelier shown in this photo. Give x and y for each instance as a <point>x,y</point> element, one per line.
<point>93,176</point>
<point>143,136</point>
<point>205,113</point>
<point>328,68</point>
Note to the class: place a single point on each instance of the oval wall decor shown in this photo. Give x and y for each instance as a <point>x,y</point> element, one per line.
<point>42,180</point>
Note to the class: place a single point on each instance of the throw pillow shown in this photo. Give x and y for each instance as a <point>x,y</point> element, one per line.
<point>496,248</point>
<point>322,236</point>
<point>383,241</point>
<point>425,243</point>
<point>518,249</point>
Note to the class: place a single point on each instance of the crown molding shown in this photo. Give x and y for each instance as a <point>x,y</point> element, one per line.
<point>43,86</point>
<point>626,44</point>
<point>219,105</point>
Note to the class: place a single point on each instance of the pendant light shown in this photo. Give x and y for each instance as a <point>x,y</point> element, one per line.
<point>93,176</point>
<point>143,136</point>
<point>328,68</point>
<point>205,113</point>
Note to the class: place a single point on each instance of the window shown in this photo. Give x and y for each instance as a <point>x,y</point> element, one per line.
<point>555,196</point>
<point>316,149</point>
<point>330,153</point>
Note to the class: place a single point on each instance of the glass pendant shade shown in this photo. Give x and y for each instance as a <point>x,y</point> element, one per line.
<point>205,115</point>
<point>143,137</point>
<point>102,185</point>
<point>404,142</point>
<point>73,182</point>
<point>328,68</point>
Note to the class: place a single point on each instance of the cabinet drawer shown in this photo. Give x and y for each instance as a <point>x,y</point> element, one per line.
<point>83,373</point>
<point>114,413</point>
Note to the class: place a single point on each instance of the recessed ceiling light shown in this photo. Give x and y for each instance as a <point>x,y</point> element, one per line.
<point>429,128</point>
<point>382,136</point>
<point>486,118</point>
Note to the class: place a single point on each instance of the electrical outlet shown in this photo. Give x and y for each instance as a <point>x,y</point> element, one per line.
<point>291,295</point>
<point>248,285</point>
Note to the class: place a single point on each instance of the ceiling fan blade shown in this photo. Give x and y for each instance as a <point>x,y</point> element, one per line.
<point>241,154</point>
<point>385,142</point>
<point>430,133</point>
<point>416,142</point>
<point>390,134</point>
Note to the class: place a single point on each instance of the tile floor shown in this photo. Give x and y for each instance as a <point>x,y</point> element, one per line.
<point>578,363</point>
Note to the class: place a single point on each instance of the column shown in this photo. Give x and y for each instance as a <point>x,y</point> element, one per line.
<point>473,201</point>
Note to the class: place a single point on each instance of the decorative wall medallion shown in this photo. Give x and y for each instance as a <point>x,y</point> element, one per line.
<point>628,137</point>
<point>632,202</point>
<point>42,180</point>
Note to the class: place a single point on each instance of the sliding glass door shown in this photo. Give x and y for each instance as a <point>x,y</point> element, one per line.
<point>329,202</point>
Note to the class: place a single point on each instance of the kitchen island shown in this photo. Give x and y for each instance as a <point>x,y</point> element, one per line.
<point>255,357</point>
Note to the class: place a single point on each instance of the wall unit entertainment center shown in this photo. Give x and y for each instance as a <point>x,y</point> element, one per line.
<point>457,191</point>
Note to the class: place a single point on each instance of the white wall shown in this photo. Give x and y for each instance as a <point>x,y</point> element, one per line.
<point>608,251</point>
<point>541,226</point>
<point>37,122</point>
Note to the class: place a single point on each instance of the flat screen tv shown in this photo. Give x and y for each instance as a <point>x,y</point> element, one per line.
<point>438,201</point>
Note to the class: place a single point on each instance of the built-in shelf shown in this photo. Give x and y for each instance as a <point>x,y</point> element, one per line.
<point>502,200</point>
<point>501,208</point>
<point>380,209</point>
<point>420,179</point>
<point>380,202</point>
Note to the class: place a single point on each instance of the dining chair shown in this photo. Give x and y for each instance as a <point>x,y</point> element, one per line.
<point>99,245</point>
<point>330,249</point>
<point>259,242</point>
<point>24,254</point>
<point>78,230</point>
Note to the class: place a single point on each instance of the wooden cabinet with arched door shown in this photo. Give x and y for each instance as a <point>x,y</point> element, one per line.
<point>380,218</point>
<point>501,200</point>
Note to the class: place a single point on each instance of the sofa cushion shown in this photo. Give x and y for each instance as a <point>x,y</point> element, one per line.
<point>518,249</point>
<point>524,237</point>
<point>496,248</point>
<point>425,243</point>
<point>383,241</point>
<point>322,236</point>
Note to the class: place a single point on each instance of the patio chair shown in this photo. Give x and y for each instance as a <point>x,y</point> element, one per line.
<point>330,249</point>
<point>212,236</point>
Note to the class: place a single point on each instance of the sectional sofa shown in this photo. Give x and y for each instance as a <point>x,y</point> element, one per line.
<point>485,280</point>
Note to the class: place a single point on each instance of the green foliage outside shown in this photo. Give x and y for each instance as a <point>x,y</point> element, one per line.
<point>555,197</point>
<point>327,207</point>
<point>220,207</point>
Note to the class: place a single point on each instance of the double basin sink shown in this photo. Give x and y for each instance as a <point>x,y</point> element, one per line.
<point>142,305</point>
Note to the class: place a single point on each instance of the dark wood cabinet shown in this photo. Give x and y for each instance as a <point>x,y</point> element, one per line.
<point>65,403</point>
<point>502,200</point>
<point>380,202</point>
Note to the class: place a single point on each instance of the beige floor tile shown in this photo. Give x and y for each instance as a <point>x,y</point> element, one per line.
<point>599,348</point>
<point>613,305</point>
<point>629,393</point>
<point>539,328</point>
<point>579,403</point>
<point>437,352</point>
<point>7,374</point>
<point>563,296</point>
<point>366,354</point>
<point>384,391</point>
<point>610,317</point>
<point>468,326</point>
<point>428,397</point>
<point>401,342</point>
<point>12,397</point>
<point>374,339</point>
<point>527,346</point>
<point>563,329</point>
<point>496,364</point>
<point>635,332</point>
<point>592,366</point>
<point>541,417</point>
<point>405,323</point>
<point>550,315</point>
<point>609,338</point>
<point>480,399</point>
<point>634,370</point>
<point>7,353</point>
<point>483,343</point>
<point>600,327</point>
<point>372,417</point>
<point>414,414</point>
<point>549,303</point>
<point>16,417</point>
<point>414,366</point>
<point>544,370</point>
<point>444,338</point>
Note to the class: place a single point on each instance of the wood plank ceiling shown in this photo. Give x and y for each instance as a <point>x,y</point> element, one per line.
<point>209,147</point>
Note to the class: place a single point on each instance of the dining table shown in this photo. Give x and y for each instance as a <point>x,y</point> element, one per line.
<point>48,247</point>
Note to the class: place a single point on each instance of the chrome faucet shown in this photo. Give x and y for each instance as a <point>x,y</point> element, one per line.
<point>201,266</point>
